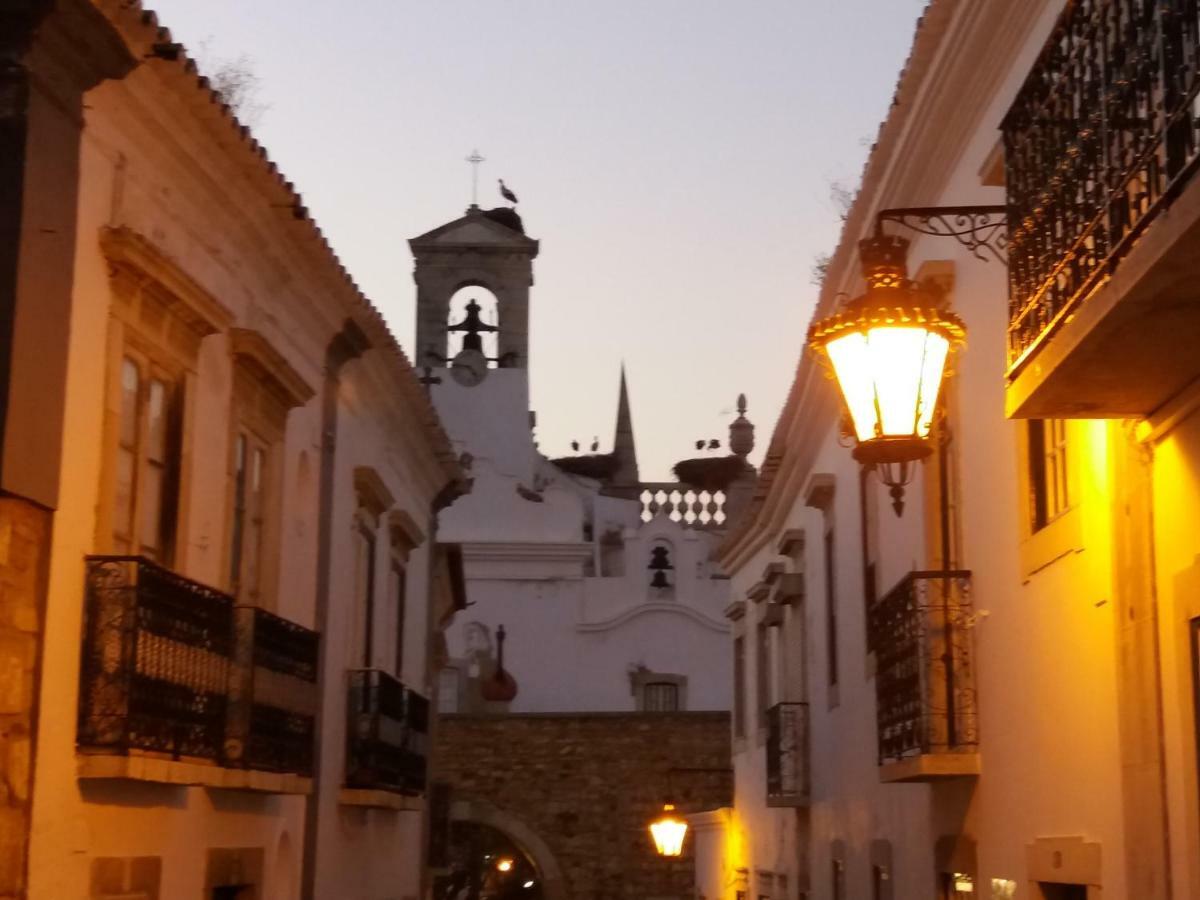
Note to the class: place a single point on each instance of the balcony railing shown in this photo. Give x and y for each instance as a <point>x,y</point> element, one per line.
<point>787,755</point>
<point>1102,135</point>
<point>387,734</point>
<point>273,694</point>
<point>171,668</point>
<point>924,681</point>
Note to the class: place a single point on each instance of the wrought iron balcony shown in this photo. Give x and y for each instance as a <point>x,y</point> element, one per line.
<point>787,755</point>
<point>924,682</point>
<point>1103,136</point>
<point>157,652</point>
<point>387,734</point>
<point>273,694</point>
<point>171,669</point>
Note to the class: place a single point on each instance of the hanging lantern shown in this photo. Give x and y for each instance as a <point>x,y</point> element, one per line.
<point>888,350</point>
<point>668,831</point>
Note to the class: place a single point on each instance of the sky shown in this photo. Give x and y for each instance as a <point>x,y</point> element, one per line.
<point>674,157</point>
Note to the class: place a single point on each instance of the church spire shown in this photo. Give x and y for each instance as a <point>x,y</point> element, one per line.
<point>626,474</point>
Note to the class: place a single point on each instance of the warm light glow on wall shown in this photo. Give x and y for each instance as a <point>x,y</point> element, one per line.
<point>668,832</point>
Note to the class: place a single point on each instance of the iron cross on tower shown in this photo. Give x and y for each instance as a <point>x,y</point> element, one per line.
<point>475,159</point>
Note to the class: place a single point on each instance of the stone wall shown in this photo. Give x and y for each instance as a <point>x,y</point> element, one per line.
<point>587,785</point>
<point>24,535</point>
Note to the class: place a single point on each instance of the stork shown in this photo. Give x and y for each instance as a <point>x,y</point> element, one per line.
<point>506,193</point>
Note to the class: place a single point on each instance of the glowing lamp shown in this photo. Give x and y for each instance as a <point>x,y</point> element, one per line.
<point>504,864</point>
<point>888,350</point>
<point>668,831</point>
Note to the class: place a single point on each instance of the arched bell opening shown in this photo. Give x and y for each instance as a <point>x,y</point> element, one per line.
<point>473,323</point>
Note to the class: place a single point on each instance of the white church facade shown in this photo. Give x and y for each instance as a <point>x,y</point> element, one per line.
<point>604,584</point>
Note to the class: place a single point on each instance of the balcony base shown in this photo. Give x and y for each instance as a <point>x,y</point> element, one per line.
<point>372,798</point>
<point>188,774</point>
<point>931,767</point>
<point>1130,345</point>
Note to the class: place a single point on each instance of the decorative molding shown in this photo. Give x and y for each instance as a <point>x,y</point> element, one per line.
<point>772,615</point>
<point>406,533</point>
<point>735,610</point>
<point>169,771</point>
<point>373,493</point>
<point>252,350</point>
<point>515,551</point>
<point>819,491</point>
<point>772,572</point>
<point>791,589</point>
<point>759,591</point>
<point>380,800</point>
<point>791,542</point>
<point>670,607</point>
<point>139,258</point>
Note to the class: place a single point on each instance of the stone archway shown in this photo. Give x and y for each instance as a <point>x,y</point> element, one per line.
<point>554,887</point>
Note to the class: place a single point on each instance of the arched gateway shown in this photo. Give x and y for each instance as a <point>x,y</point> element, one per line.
<point>493,852</point>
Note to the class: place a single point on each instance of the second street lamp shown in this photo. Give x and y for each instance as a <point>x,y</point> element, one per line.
<point>888,350</point>
<point>668,831</point>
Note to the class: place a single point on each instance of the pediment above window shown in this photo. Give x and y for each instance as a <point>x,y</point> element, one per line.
<point>254,352</point>
<point>373,493</point>
<point>147,273</point>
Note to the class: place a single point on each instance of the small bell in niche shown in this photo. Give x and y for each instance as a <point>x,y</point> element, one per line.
<point>660,563</point>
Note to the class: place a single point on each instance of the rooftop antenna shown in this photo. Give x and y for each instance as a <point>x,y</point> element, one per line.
<point>475,159</point>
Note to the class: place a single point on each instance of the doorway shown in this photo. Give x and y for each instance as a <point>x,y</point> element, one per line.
<point>1054,891</point>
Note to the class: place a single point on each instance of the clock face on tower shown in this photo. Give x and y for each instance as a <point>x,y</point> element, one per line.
<point>469,367</point>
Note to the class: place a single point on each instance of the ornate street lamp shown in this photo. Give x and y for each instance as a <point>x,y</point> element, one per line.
<point>888,350</point>
<point>668,831</point>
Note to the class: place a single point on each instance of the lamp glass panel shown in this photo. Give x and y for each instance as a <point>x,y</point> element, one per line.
<point>937,348</point>
<point>668,833</point>
<point>849,355</point>
<point>896,357</point>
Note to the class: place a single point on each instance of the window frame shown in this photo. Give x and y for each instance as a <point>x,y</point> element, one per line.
<point>152,368</point>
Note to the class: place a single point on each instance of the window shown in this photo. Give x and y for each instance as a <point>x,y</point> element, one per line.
<point>957,886</point>
<point>762,672</point>
<point>831,638</point>
<point>147,462</point>
<point>1055,891</point>
<point>365,582</point>
<point>399,591</point>
<point>658,691</point>
<point>868,528</point>
<point>660,696</point>
<point>739,686</point>
<point>249,513</point>
<point>447,695</point>
<point>1049,491</point>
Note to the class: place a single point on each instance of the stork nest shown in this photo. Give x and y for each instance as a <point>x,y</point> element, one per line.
<point>710,473</point>
<point>601,466</point>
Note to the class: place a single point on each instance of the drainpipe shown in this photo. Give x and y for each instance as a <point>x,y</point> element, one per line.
<point>450,492</point>
<point>348,344</point>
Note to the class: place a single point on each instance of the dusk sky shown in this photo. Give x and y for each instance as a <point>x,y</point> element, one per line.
<point>675,159</point>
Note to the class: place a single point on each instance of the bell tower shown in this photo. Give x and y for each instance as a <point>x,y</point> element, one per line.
<point>484,248</point>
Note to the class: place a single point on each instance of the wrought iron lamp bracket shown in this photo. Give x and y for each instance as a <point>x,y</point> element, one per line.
<point>983,230</point>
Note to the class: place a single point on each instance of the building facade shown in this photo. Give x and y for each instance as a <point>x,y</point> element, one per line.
<point>994,694</point>
<point>222,571</point>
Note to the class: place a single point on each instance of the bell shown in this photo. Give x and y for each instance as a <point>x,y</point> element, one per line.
<point>660,580</point>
